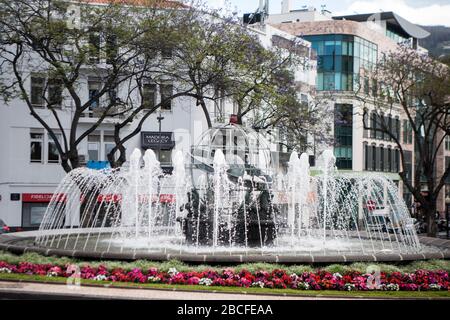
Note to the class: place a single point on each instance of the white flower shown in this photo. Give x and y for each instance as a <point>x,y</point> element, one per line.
<point>173,271</point>
<point>349,286</point>
<point>303,286</point>
<point>153,279</point>
<point>52,274</point>
<point>205,282</point>
<point>5,270</point>
<point>435,286</point>
<point>391,287</point>
<point>337,275</point>
<point>100,277</point>
<point>258,284</point>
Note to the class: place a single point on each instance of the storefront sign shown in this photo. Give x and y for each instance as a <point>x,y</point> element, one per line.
<point>157,140</point>
<point>42,197</point>
<point>142,198</point>
<point>115,198</point>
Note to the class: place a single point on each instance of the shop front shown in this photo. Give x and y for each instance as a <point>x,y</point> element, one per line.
<point>34,206</point>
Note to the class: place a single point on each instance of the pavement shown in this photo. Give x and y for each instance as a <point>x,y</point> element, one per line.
<point>29,290</point>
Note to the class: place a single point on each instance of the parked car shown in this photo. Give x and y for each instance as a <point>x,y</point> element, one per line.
<point>3,227</point>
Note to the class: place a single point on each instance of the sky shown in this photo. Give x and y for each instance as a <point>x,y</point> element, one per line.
<point>424,12</point>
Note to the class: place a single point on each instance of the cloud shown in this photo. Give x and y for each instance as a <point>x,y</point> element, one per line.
<point>431,14</point>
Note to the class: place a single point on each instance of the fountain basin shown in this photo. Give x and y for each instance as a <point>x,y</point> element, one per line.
<point>22,242</point>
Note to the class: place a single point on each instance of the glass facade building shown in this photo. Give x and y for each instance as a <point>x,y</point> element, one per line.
<point>340,59</point>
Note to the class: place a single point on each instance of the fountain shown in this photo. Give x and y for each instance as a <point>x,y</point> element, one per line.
<point>226,202</point>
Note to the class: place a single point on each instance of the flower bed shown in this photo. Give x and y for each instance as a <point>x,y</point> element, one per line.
<point>420,280</point>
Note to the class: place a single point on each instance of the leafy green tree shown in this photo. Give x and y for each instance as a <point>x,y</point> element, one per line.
<point>65,43</point>
<point>417,87</point>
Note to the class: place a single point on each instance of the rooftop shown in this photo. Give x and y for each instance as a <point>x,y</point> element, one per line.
<point>394,21</point>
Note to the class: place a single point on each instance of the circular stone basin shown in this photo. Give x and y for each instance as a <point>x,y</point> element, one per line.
<point>80,244</point>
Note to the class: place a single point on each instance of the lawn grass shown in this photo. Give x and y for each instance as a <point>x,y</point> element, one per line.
<point>235,290</point>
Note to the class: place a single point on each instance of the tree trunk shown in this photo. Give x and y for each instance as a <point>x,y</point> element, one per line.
<point>430,218</point>
<point>74,159</point>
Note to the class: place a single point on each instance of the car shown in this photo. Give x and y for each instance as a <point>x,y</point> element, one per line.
<point>4,227</point>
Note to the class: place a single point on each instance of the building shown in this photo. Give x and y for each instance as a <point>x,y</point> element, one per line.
<point>30,168</point>
<point>347,47</point>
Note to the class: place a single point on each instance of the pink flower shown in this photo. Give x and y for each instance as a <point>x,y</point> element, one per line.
<point>193,281</point>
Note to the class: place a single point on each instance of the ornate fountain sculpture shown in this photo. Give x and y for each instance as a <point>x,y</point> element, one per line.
<point>225,197</point>
<point>213,219</point>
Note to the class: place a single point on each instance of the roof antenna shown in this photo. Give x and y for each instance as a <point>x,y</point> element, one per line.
<point>260,14</point>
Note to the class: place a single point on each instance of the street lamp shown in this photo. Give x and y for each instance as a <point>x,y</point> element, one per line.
<point>159,118</point>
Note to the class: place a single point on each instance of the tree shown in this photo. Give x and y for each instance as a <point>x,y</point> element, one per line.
<point>62,44</point>
<point>417,87</point>
<point>215,58</point>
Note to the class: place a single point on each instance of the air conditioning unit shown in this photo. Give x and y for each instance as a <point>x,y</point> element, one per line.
<point>82,159</point>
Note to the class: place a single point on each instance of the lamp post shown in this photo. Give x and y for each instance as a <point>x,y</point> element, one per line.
<point>159,118</point>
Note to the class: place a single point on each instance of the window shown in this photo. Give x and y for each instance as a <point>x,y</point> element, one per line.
<point>374,88</point>
<point>94,89</point>
<point>319,81</point>
<point>55,87</point>
<point>36,147</point>
<point>374,157</point>
<point>380,166</point>
<point>389,159</point>
<point>366,156</point>
<point>447,143</point>
<point>111,48</point>
<point>33,214</point>
<point>384,134</point>
<point>94,147</point>
<point>53,154</point>
<point>328,81</point>
<point>343,135</point>
<point>109,145</point>
<point>386,160</point>
<point>396,161</point>
<point>366,86</point>
<point>149,95</point>
<point>408,164</point>
<point>37,91</point>
<point>397,128</point>
<point>379,126</point>
<point>407,132</point>
<point>342,56</point>
<point>166,94</point>
<point>373,126</point>
<point>389,136</point>
<point>94,47</point>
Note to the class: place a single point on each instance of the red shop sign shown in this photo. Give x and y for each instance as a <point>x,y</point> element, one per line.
<point>42,197</point>
<point>371,205</point>
<point>167,198</point>
<point>115,198</point>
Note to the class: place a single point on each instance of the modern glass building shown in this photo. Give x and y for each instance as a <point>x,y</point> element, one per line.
<point>340,59</point>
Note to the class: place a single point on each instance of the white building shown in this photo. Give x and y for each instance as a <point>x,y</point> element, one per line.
<point>30,167</point>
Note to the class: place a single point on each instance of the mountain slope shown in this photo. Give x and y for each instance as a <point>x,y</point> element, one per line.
<point>438,43</point>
